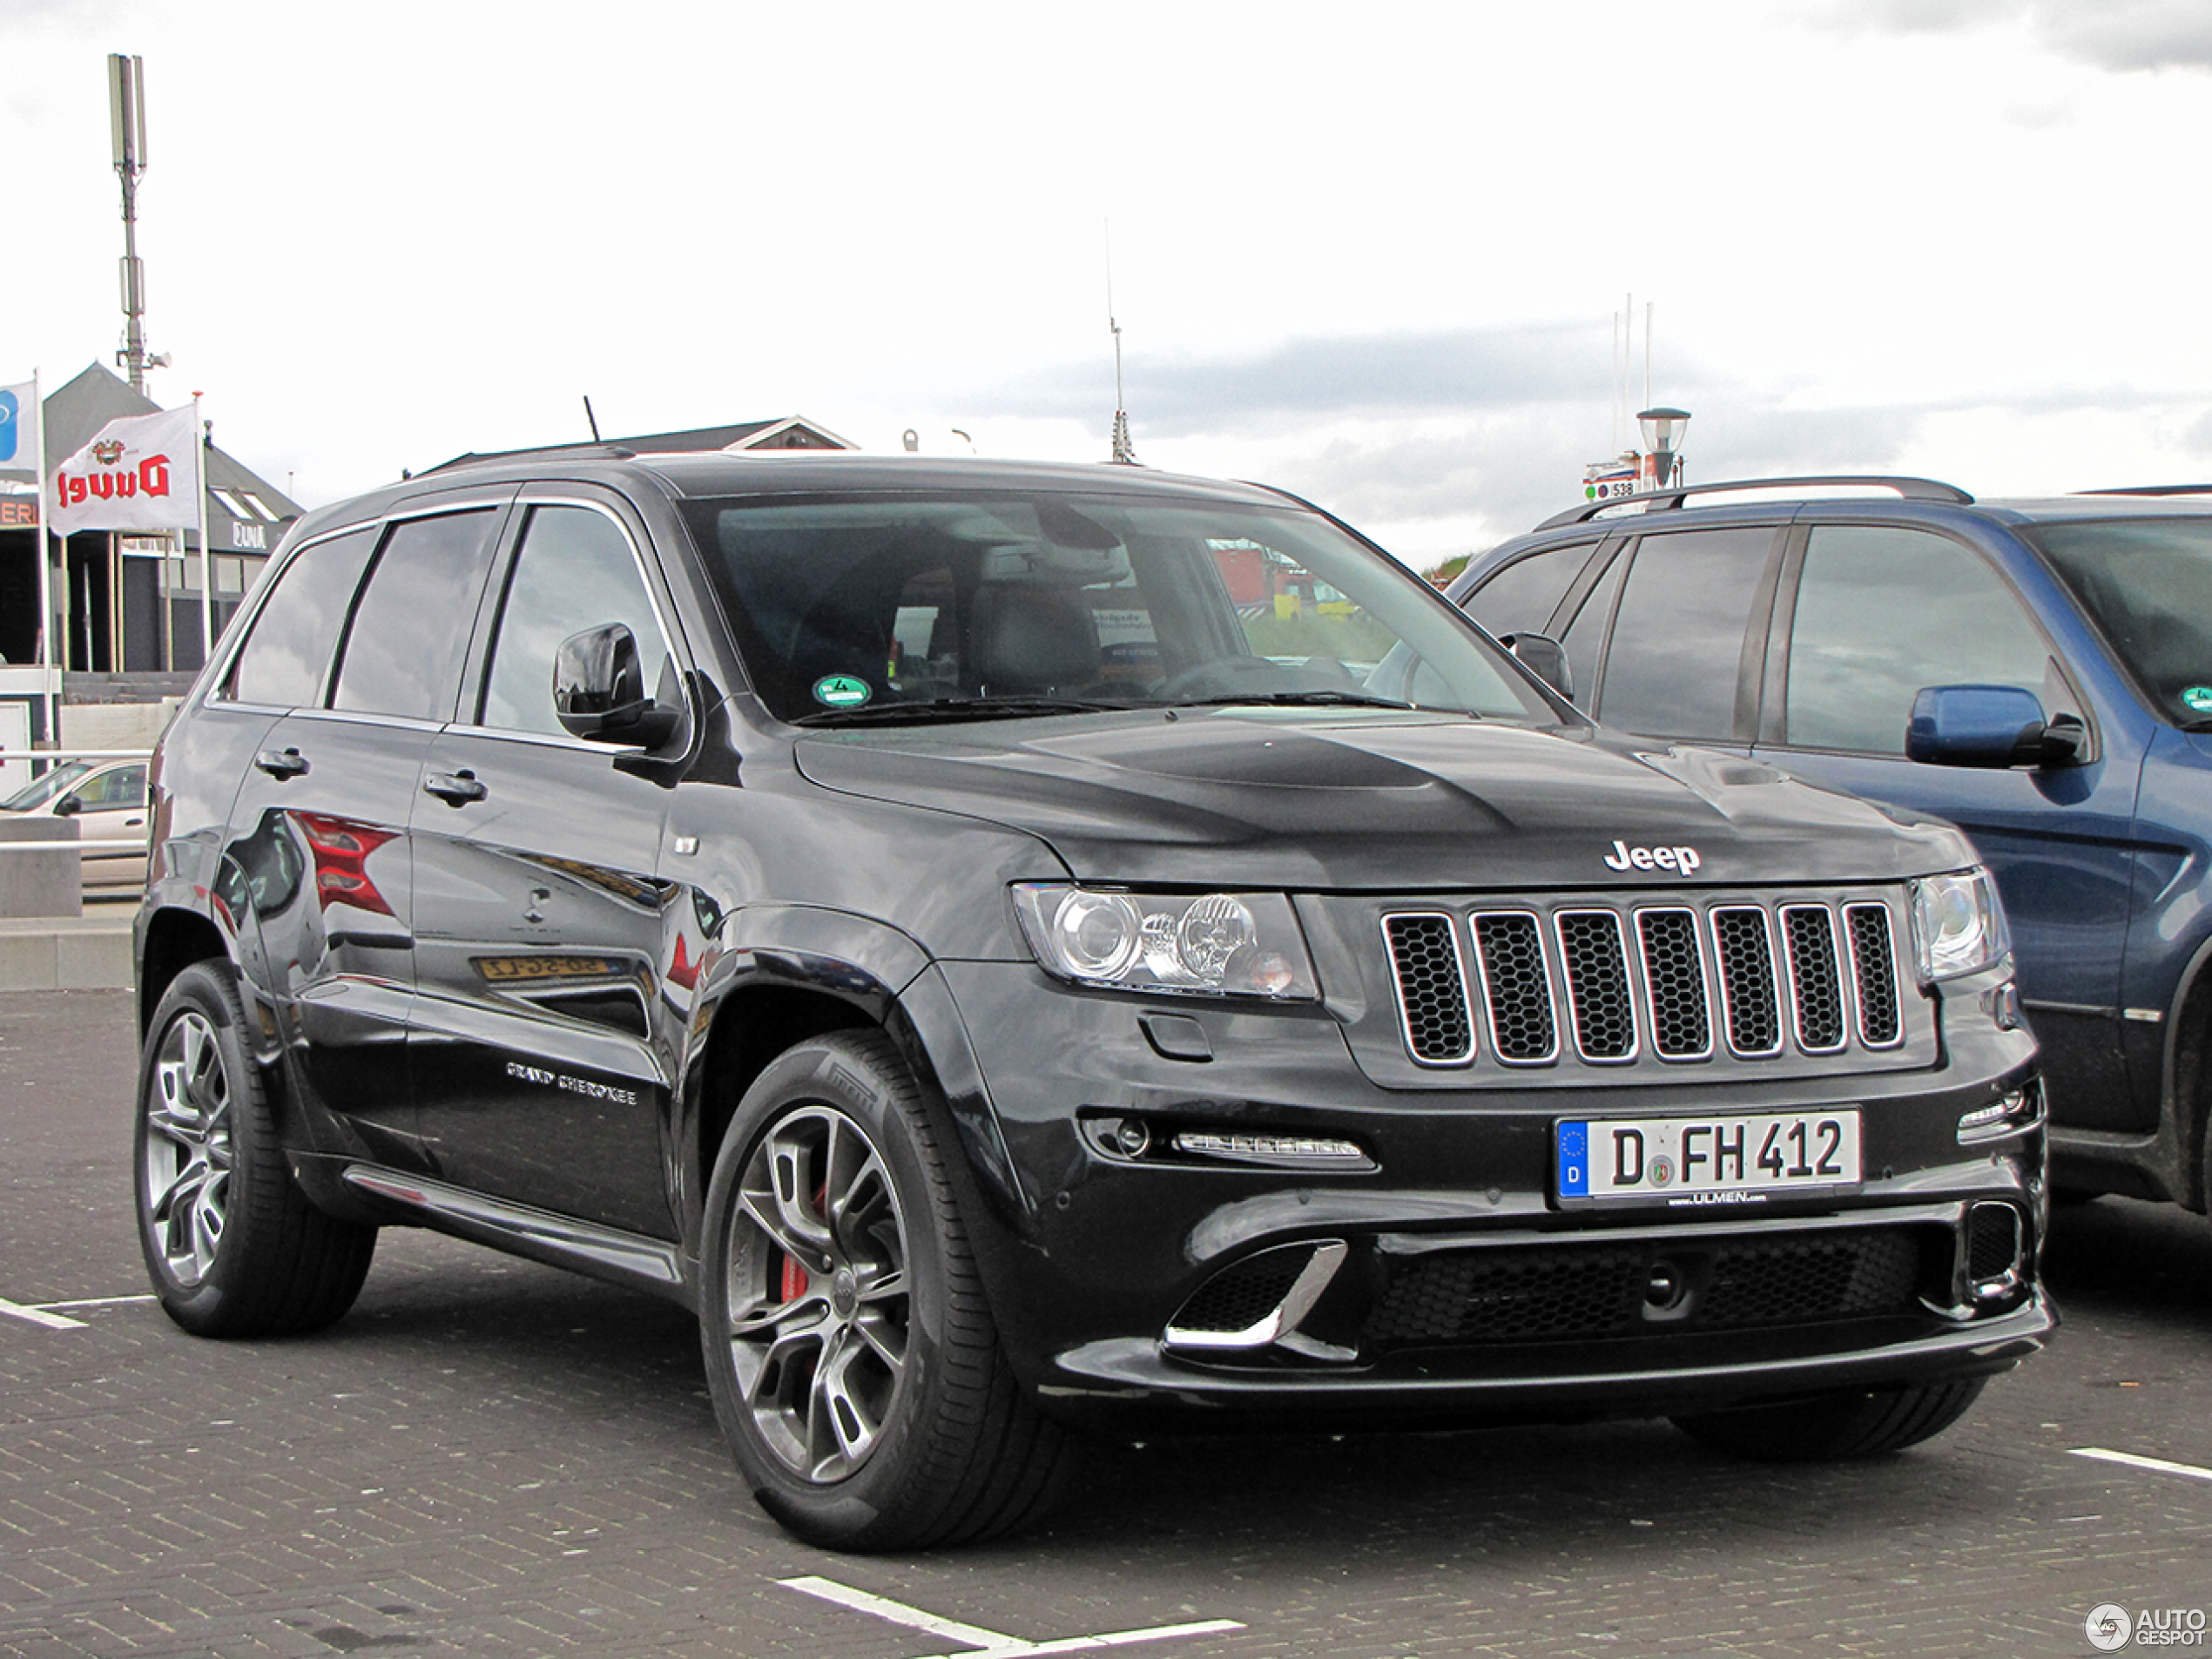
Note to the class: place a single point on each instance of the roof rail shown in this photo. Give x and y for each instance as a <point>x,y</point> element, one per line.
<point>2151,489</point>
<point>1669,500</point>
<point>586,451</point>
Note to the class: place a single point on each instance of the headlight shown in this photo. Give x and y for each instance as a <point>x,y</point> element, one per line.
<point>1222,944</point>
<point>1957,926</point>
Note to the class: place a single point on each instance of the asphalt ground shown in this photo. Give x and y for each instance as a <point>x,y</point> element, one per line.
<point>489,1458</point>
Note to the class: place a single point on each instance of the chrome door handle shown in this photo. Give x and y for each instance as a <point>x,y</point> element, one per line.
<point>282,764</point>
<point>454,788</point>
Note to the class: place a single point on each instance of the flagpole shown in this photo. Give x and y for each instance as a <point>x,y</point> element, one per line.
<point>45,571</point>
<point>206,575</point>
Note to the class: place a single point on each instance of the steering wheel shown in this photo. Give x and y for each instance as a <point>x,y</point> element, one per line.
<point>1226,675</point>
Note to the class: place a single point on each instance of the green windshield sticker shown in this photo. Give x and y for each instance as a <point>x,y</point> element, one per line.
<point>2199,697</point>
<point>841,691</point>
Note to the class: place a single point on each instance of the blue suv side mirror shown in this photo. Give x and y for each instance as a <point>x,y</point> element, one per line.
<point>1543,657</point>
<point>1989,725</point>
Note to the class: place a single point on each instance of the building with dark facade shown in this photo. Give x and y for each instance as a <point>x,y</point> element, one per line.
<point>127,603</point>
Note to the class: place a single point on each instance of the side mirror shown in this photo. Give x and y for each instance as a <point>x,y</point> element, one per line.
<point>599,690</point>
<point>1993,726</point>
<point>69,806</point>
<point>1545,658</point>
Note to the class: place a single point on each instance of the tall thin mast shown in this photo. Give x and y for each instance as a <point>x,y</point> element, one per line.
<point>1124,452</point>
<point>126,103</point>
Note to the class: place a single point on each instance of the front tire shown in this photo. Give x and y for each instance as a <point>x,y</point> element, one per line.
<point>853,1363</point>
<point>1855,1423</point>
<point>233,1246</point>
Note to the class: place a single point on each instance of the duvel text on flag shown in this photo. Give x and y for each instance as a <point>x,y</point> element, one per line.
<point>139,473</point>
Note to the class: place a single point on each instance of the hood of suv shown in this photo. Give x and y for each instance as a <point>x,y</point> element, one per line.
<point>1378,801</point>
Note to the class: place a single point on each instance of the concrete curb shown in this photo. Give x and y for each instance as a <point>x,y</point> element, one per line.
<point>66,952</point>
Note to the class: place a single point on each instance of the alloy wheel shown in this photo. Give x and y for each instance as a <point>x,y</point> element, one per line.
<point>818,1298</point>
<point>189,1158</point>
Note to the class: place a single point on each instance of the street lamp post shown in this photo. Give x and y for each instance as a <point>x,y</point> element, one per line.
<point>1663,430</point>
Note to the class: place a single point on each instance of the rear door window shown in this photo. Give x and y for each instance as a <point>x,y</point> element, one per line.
<point>409,628</point>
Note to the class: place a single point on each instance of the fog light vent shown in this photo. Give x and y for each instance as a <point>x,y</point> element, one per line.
<point>1254,1302</point>
<point>1994,1241</point>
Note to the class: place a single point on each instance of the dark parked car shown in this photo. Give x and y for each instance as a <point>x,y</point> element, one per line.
<point>2038,671</point>
<point>1014,946</point>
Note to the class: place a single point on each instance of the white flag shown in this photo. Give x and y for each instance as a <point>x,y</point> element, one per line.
<point>19,429</point>
<point>139,473</point>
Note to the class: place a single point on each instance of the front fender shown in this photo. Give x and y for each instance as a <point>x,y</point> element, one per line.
<point>885,976</point>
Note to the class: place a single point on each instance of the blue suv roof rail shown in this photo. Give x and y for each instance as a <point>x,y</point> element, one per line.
<point>2152,490</point>
<point>1671,500</point>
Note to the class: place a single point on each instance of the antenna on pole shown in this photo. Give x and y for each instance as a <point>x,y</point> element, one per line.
<point>126,105</point>
<point>1124,452</point>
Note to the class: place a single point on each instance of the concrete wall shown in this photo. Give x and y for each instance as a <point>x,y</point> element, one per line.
<point>115,725</point>
<point>50,882</point>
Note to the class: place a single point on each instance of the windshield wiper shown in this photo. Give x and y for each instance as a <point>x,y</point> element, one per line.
<point>1295,699</point>
<point>958,708</point>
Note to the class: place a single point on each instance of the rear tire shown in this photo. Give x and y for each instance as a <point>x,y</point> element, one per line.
<point>233,1246</point>
<point>854,1362</point>
<point>1858,1423</point>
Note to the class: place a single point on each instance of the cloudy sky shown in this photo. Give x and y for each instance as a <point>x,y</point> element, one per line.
<point>1373,254</point>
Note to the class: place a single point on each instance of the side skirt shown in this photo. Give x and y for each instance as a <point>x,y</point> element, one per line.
<point>643,1263</point>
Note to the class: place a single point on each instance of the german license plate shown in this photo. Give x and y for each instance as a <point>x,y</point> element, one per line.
<point>1684,1161</point>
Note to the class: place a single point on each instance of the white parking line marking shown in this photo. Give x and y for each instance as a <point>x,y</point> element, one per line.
<point>97,1301</point>
<point>979,1643</point>
<point>2155,1465</point>
<point>39,1316</point>
<point>897,1612</point>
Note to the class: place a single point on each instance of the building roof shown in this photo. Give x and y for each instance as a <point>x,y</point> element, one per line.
<point>792,432</point>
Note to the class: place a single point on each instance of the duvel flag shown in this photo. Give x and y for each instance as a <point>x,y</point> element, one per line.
<point>139,473</point>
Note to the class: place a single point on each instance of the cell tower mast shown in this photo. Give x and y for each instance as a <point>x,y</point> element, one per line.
<point>126,104</point>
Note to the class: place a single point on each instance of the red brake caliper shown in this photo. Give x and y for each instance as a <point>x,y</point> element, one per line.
<point>795,1278</point>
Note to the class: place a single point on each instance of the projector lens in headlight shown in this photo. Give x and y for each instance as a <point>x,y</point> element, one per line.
<point>1957,926</point>
<point>1223,944</point>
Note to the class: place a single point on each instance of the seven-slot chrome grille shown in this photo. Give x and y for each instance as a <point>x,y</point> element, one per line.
<point>1670,979</point>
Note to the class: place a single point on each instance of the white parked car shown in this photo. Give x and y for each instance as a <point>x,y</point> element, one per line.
<point>107,799</point>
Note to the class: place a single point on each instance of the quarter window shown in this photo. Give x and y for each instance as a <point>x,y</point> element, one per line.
<point>1678,639</point>
<point>283,660</point>
<point>410,627</point>
<point>575,570</point>
<point>1883,612</point>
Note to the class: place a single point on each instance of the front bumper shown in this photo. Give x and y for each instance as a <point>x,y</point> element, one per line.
<point>1434,1275</point>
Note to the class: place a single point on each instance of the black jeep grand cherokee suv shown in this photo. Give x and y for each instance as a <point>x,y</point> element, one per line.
<point>1012,945</point>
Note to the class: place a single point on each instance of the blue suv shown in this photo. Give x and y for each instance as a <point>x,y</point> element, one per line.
<point>2040,672</point>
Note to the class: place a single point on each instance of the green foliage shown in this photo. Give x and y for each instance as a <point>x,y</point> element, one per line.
<point>1354,639</point>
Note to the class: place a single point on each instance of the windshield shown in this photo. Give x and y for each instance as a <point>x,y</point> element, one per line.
<point>891,609</point>
<point>2148,583</point>
<point>45,787</point>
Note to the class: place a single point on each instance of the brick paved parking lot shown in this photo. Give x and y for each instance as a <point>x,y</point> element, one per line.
<point>490,1458</point>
